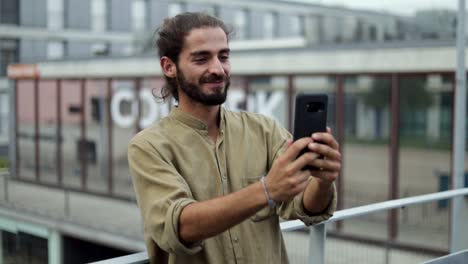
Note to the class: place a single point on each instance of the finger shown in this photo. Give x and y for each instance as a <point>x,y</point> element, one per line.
<point>326,151</point>
<point>301,187</point>
<point>327,139</point>
<point>328,165</point>
<point>296,147</point>
<point>303,176</point>
<point>325,175</point>
<point>329,131</point>
<point>303,161</point>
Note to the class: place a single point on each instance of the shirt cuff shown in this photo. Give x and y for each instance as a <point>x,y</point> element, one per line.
<point>315,219</point>
<point>171,230</point>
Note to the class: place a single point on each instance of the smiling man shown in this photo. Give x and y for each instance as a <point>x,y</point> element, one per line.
<point>211,184</point>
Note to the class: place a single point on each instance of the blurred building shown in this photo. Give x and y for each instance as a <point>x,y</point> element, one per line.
<point>70,195</point>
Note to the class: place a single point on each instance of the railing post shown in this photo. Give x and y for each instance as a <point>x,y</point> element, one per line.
<point>317,236</point>
<point>459,209</point>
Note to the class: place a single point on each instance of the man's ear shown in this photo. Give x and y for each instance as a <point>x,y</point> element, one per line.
<point>168,67</point>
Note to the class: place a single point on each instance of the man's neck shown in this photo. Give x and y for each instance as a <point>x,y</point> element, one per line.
<point>207,114</point>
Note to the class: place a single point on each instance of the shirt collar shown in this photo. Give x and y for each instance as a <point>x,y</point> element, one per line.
<point>194,122</point>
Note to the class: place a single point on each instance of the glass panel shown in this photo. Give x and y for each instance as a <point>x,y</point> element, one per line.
<point>268,96</point>
<point>55,50</point>
<point>425,149</point>
<point>236,97</point>
<point>48,131</point>
<point>26,162</point>
<point>374,249</point>
<point>124,112</point>
<point>96,135</point>
<point>367,117</point>
<point>71,108</point>
<point>23,248</point>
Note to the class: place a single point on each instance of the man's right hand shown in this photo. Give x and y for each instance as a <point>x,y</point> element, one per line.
<point>285,178</point>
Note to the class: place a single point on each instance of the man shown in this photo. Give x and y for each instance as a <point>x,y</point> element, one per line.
<point>212,183</point>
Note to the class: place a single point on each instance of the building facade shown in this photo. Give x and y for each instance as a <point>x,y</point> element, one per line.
<point>70,187</point>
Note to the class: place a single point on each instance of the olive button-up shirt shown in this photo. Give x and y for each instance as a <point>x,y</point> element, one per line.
<point>174,163</point>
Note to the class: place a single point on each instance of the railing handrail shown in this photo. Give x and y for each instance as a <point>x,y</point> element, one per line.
<point>142,257</point>
<point>137,258</point>
<point>381,206</point>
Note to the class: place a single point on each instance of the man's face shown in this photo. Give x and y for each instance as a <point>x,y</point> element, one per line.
<point>203,67</point>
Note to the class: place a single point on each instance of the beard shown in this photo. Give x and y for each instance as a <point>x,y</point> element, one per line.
<point>195,92</point>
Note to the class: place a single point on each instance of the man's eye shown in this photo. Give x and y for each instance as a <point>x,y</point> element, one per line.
<point>200,60</point>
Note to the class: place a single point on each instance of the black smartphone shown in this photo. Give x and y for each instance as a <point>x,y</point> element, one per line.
<point>310,116</point>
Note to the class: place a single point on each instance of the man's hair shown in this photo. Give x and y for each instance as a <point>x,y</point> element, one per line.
<point>170,39</point>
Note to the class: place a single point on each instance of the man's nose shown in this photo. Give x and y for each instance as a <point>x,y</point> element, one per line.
<point>216,67</point>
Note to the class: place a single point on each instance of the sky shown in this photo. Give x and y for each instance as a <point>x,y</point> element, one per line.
<point>402,7</point>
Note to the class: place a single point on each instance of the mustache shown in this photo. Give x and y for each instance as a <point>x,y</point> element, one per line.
<point>214,78</point>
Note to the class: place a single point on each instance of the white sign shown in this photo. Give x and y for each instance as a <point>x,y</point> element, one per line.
<point>262,102</point>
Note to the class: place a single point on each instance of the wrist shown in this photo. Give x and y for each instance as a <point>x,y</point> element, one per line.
<point>271,203</point>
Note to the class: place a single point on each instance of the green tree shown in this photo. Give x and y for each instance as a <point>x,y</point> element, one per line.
<point>413,94</point>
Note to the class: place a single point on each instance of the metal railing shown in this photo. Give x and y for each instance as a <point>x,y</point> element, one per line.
<point>318,233</point>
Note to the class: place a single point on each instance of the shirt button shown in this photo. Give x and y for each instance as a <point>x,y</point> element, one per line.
<point>236,240</point>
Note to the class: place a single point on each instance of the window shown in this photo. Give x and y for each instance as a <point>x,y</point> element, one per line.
<point>98,15</point>
<point>100,49</point>
<point>269,26</point>
<point>55,15</point>
<point>8,54</point>
<point>139,15</point>
<point>55,50</point>
<point>174,9</point>
<point>240,24</point>
<point>296,26</point>
<point>9,12</point>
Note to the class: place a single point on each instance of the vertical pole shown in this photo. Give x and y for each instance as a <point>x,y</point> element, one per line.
<point>13,136</point>
<point>459,214</point>
<point>137,83</point>
<point>317,237</point>
<point>54,246</point>
<point>394,154</point>
<point>1,248</point>
<point>36,129</point>
<point>246,92</point>
<point>339,133</point>
<point>83,142</point>
<point>291,92</point>
<point>58,140</point>
<point>109,138</point>
<point>13,147</point>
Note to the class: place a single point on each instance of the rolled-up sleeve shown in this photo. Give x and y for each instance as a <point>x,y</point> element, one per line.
<point>162,193</point>
<point>294,209</point>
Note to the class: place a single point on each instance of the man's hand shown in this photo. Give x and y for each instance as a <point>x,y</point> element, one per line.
<point>330,164</point>
<point>319,192</point>
<point>285,178</point>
